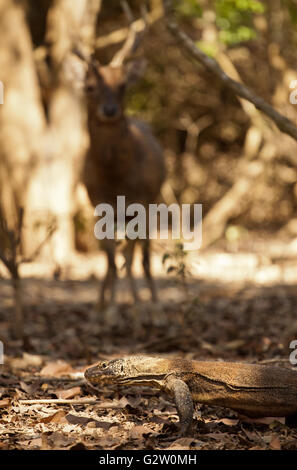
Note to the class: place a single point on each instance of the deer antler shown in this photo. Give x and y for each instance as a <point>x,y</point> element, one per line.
<point>134,38</point>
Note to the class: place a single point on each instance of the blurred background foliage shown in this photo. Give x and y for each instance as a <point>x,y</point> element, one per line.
<point>202,126</point>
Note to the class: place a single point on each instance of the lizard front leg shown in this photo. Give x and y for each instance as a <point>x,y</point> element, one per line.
<point>183,401</point>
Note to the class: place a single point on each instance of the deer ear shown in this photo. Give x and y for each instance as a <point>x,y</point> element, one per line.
<point>135,70</point>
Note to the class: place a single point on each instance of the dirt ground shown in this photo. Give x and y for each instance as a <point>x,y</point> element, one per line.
<point>232,306</point>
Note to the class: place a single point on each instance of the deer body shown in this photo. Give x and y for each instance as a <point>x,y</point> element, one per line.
<point>124,159</point>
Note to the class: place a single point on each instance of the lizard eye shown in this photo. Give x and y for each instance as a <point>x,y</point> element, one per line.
<point>103,365</point>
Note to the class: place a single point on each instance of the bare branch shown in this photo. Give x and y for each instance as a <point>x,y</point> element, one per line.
<point>128,12</point>
<point>119,35</point>
<point>59,401</point>
<point>284,124</point>
<point>36,252</point>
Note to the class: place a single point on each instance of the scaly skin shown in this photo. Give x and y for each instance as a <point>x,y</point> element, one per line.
<point>250,389</point>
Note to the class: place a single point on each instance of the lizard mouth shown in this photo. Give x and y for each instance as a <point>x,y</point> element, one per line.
<point>96,375</point>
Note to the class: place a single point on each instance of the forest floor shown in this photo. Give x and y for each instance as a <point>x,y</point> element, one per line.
<point>233,306</point>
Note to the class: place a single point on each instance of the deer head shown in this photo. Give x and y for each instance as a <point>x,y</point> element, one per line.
<point>105,86</point>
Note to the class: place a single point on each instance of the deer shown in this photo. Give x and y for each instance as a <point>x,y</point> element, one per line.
<point>124,158</point>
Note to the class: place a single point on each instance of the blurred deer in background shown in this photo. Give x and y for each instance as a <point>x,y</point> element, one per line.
<point>124,158</point>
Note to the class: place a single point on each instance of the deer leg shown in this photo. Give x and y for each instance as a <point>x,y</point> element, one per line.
<point>109,283</point>
<point>146,263</point>
<point>157,313</point>
<point>128,255</point>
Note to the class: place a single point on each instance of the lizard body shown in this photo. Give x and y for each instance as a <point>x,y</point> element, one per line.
<point>250,389</point>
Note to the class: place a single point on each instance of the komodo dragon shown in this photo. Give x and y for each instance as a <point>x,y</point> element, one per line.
<point>251,389</point>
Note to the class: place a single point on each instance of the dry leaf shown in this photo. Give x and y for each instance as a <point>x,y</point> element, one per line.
<point>266,420</point>
<point>215,435</point>
<point>275,443</point>
<point>78,446</point>
<point>33,359</point>
<point>56,369</point>
<point>29,388</point>
<point>57,440</point>
<point>184,443</point>
<point>138,431</point>
<point>32,443</point>
<point>28,360</point>
<point>66,394</point>
<point>83,420</point>
<point>226,421</point>
<point>5,402</point>
<point>75,419</point>
<point>123,402</point>
<point>58,417</point>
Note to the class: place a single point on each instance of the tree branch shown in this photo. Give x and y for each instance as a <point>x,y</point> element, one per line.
<point>284,124</point>
<point>121,34</point>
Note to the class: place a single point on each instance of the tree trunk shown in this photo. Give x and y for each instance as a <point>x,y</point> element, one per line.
<point>51,194</point>
<point>22,118</point>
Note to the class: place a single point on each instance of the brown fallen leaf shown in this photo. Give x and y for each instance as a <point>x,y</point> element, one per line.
<point>215,435</point>
<point>134,402</point>
<point>78,446</point>
<point>4,445</point>
<point>275,443</point>
<point>226,421</point>
<point>58,440</point>
<point>75,419</point>
<point>57,417</point>
<point>29,388</point>
<point>266,420</point>
<point>26,361</point>
<point>106,425</point>
<point>185,443</point>
<point>122,403</point>
<point>56,369</point>
<point>107,443</point>
<point>5,402</point>
<point>32,443</point>
<point>65,394</point>
<point>138,431</point>
<point>83,421</point>
<point>251,435</point>
<point>33,359</point>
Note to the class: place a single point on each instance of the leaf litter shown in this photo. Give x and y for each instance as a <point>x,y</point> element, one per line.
<point>238,322</point>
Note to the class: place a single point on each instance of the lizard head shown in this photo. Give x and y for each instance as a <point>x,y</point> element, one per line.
<point>129,370</point>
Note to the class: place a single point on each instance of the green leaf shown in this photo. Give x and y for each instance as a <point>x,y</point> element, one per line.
<point>188,8</point>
